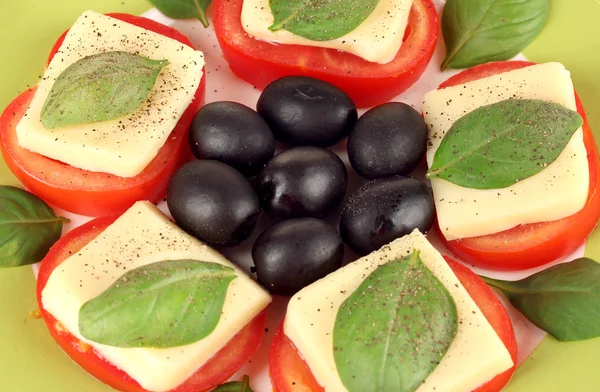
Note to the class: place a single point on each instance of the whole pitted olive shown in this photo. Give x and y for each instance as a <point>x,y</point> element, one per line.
<point>295,253</point>
<point>304,111</point>
<point>382,210</point>
<point>388,140</point>
<point>234,134</point>
<point>213,202</point>
<point>303,182</point>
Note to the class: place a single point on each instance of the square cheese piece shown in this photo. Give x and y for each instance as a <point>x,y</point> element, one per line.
<point>475,356</point>
<point>558,191</point>
<point>124,146</point>
<point>377,39</point>
<point>141,236</point>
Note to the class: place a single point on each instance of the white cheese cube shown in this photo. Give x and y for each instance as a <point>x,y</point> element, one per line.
<point>377,39</point>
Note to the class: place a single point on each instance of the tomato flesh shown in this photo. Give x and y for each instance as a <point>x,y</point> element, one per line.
<point>290,373</point>
<point>94,193</point>
<point>531,245</point>
<point>217,370</point>
<point>368,84</point>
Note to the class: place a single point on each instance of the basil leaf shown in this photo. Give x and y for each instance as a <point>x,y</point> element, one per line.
<point>182,9</point>
<point>100,87</point>
<point>563,300</point>
<point>235,386</point>
<point>320,20</point>
<point>160,305</point>
<point>497,145</point>
<point>478,31</point>
<point>393,331</point>
<point>28,227</point>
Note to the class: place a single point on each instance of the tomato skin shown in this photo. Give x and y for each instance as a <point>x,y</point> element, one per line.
<point>289,372</point>
<point>495,313</point>
<point>92,193</point>
<point>531,245</point>
<point>217,370</point>
<point>368,84</point>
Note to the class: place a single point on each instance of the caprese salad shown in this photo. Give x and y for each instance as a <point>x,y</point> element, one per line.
<point>143,306</point>
<point>373,50</point>
<point>500,187</point>
<point>400,319</point>
<point>144,303</point>
<point>106,126</point>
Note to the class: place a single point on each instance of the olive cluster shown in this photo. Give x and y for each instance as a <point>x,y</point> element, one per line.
<point>218,198</point>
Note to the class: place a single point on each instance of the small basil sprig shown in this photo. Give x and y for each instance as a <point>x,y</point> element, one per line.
<point>394,329</point>
<point>100,87</point>
<point>497,145</point>
<point>28,227</point>
<point>163,304</point>
<point>563,300</point>
<point>478,31</point>
<point>182,9</point>
<point>235,386</point>
<point>320,20</point>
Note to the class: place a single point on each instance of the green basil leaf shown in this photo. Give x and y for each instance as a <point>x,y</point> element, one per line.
<point>563,300</point>
<point>100,87</point>
<point>497,145</point>
<point>28,227</point>
<point>164,304</point>
<point>182,9</point>
<point>320,20</point>
<point>478,31</point>
<point>235,386</point>
<point>393,331</point>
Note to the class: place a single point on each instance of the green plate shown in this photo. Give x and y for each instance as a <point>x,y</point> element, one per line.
<point>29,359</point>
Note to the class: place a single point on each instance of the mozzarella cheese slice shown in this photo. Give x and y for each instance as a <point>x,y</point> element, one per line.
<point>558,191</point>
<point>141,236</point>
<point>378,39</point>
<point>124,146</point>
<point>475,356</point>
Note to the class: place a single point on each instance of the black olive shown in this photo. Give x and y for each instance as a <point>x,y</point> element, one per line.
<point>233,134</point>
<point>295,253</point>
<point>304,111</point>
<point>388,140</point>
<point>303,182</point>
<point>382,210</point>
<point>213,202</point>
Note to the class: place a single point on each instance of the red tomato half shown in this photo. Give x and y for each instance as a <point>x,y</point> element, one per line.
<point>289,372</point>
<point>531,245</point>
<point>217,370</point>
<point>93,193</point>
<point>368,84</point>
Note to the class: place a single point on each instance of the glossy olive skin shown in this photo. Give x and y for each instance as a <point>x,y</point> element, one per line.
<point>213,202</point>
<point>295,253</point>
<point>383,210</point>
<point>304,111</point>
<point>388,140</point>
<point>234,134</point>
<point>302,182</point>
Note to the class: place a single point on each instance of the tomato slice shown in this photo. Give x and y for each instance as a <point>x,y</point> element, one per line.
<point>531,245</point>
<point>368,84</point>
<point>217,370</point>
<point>94,193</point>
<point>496,315</point>
<point>289,372</point>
